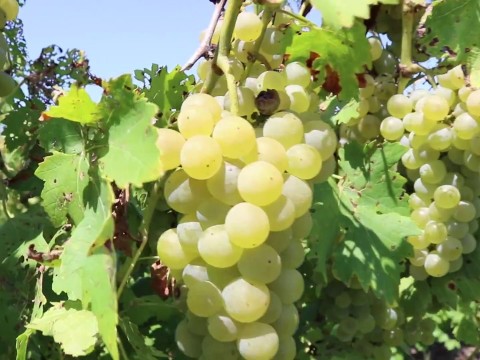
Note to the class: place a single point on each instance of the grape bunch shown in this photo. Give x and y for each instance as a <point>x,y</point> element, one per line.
<point>8,12</point>
<point>373,96</point>
<point>442,132</point>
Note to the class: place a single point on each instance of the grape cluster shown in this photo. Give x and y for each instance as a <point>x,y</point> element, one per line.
<point>243,189</point>
<point>373,96</point>
<point>8,11</point>
<point>442,132</point>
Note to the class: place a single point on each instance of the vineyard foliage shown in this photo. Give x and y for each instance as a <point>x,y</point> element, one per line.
<point>313,192</point>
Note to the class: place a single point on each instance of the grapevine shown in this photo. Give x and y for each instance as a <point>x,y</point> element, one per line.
<point>312,192</point>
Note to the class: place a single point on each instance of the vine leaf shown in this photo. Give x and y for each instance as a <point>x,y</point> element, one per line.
<point>343,13</point>
<point>76,105</point>
<point>457,40</point>
<point>364,220</point>
<point>66,177</point>
<point>62,136</point>
<point>128,155</point>
<point>75,330</point>
<point>167,90</point>
<point>345,52</point>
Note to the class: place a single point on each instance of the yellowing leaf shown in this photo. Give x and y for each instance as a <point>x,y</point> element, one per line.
<point>76,105</point>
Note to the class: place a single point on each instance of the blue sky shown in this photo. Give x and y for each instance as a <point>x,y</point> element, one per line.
<point>118,36</point>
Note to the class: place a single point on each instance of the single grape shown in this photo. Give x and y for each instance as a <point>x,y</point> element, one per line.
<point>235,136</point>
<point>171,252</point>
<point>204,299</point>
<point>216,249</point>
<point>473,103</point>
<point>281,213</point>
<point>247,225</point>
<point>201,157</point>
<point>297,74</point>
<point>257,341</point>
<point>288,321</point>
<point>376,48</point>
<point>223,328</point>
<point>260,265</point>
<point>195,121</point>
<point>248,26</point>
<point>299,192</point>
<point>203,101</point>
<point>189,343</point>
<point>450,249</point>
<point>170,144</point>
<point>446,196</point>
<point>289,286</point>
<point>304,161</point>
<point>435,265</point>
<point>399,105</point>
<point>391,128</point>
<point>284,127</point>
<point>321,136</point>
<point>260,183</point>
<point>223,185</point>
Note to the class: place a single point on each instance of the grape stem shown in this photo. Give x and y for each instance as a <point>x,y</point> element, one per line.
<point>144,228</point>
<point>300,18</point>
<point>224,45</point>
<point>205,44</point>
<point>266,18</point>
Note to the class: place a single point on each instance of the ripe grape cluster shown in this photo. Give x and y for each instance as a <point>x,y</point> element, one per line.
<point>8,11</point>
<point>243,185</point>
<point>441,129</point>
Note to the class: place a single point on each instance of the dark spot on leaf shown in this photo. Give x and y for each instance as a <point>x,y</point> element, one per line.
<point>452,286</point>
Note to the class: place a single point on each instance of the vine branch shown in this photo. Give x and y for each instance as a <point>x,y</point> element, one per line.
<point>205,44</point>
<point>147,219</point>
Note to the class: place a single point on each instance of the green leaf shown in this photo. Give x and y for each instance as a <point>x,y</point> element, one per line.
<point>137,341</point>
<point>343,13</point>
<point>95,228</point>
<point>167,90</point>
<point>20,128</point>
<point>129,155</point>
<point>75,330</point>
<point>467,328</point>
<point>100,291</point>
<point>141,309</point>
<point>22,344</point>
<point>415,297</point>
<point>449,29</point>
<point>365,220</point>
<point>76,105</point>
<point>62,136</point>
<point>345,51</point>
<point>66,177</point>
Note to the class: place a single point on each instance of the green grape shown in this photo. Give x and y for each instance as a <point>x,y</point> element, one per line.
<point>243,50</point>
<point>450,249</point>
<point>321,136</point>
<point>299,98</point>
<point>257,341</point>
<point>281,213</point>
<point>247,225</point>
<point>464,212</point>
<point>329,167</point>
<point>289,286</point>
<point>464,92</point>
<point>435,232</point>
<point>418,241</point>
<point>299,192</point>
<point>420,216</point>
<point>248,26</point>
<point>411,160</point>
<point>195,121</point>
<point>417,141</point>
<point>424,190</point>
<point>203,69</point>
<point>393,337</point>
<point>446,196</point>
<point>170,144</point>
<point>473,103</point>
<point>287,349</point>
<point>416,122</point>
<point>203,101</point>
<point>466,193</point>
<point>469,244</point>
<point>389,319</point>
<point>235,136</point>
<point>260,265</point>
<point>366,323</point>
<point>399,105</point>
<point>471,161</point>
<point>211,212</point>
<point>188,232</point>
<point>190,344</point>
<point>473,227</point>
<point>418,272</point>
<point>391,128</point>
<point>221,277</point>
<point>454,179</point>
<point>436,265</point>
<point>343,300</point>
<point>223,185</point>
<point>293,256</point>
<point>223,328</point>
<point>426,154</point>
<point>435,107</point>
<point>245,302</point>
<point>348,325</point>
<point>272,41</point>
<point>304,161</point>
<point>274,310</point>
<point>297,74</point>
<point>284,127</point>
<point>214,349</point>
<point>279,240</point>
<point>447,94</point>
<point>433,172</point>
<point>386,64</point>
<point>246,101</point>
<point>369,126</point>
<point>418,258</point>
<point>457,229</point>
<point>455,155</point>
<point>196,325</point>
<point>376,48</point>
<point>171,252</point>
<point>369,88</point>
<point>456,264</point>
<point>287,323</point>
<point>201,157</point>
<point>465,126</point>
<point>273,152</point>
<point>415,202</point>
<point>272,80</point>
<point>204,299</point>
<point>193,274</point>
<point>216,249</point>
<point>440,137</point>
<point>260,183</point>
<point>459,109</point>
